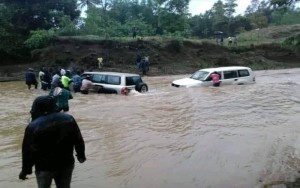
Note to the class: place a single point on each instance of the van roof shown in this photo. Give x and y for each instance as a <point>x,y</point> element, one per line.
<point>112,73</point>
<point>225,68</point>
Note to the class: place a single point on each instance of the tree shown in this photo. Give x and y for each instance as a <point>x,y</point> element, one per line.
<point>87,3</point>
<point>282,3</point>
<point>31,14</point>
<point>229,11</point>
<point>218,16</point>
<point>201,25</point>
<point>230,8</point>
<point>253,7</point>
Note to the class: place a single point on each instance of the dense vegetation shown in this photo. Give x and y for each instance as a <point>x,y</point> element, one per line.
<point>30,24</point>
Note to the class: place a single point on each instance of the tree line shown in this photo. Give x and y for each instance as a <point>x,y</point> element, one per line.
<point>30,24</point>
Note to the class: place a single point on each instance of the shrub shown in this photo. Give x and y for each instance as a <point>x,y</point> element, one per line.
<point>293,42</point>
<point>39,38</point>
<point>175,45</point>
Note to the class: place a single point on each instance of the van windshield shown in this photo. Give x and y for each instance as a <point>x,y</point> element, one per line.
<point>199,75</point>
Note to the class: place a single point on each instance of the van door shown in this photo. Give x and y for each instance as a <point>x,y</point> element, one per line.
<point>97,81</point>
<point>230,77</point>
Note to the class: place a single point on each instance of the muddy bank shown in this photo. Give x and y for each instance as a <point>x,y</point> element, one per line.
<point>167,57</point>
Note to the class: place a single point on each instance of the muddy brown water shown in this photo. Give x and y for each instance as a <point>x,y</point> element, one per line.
<point>232,136</point>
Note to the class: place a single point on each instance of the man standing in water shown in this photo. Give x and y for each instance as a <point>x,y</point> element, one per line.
<point>48,144</point>
<point>86,85</point>
<point>62,97</point>
<point>30,79</point>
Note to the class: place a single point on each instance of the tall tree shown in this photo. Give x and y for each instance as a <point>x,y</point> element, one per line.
<point>253,7</point>
<point>82,4</point>
<point>29,15</point>
<point>32,14</point>
<point>230,6</point>
<point>281,3</point>
<point>218,16</point>
<point>171,15</point>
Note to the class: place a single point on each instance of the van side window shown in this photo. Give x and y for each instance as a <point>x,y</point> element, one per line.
<point>114,80</point>
<point>243,73</point>
<point>230,74</point>
<point>97,78</point>
<point>133,80</point>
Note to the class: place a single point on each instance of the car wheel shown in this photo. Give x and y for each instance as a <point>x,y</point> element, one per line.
<point>141,87</point>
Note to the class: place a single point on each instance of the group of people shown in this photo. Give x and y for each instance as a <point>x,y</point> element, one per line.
<point>51,136</point>
<point>232,41</point>
<point>59,84</point>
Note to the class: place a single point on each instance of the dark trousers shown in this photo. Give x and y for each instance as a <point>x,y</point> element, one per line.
<point>216,84</point>
<point>62,178</point>
<point>31,83</point>
<point>76,88</point>
<point>84,92</point>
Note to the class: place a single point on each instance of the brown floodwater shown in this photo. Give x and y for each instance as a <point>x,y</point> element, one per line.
<point>227,137</point>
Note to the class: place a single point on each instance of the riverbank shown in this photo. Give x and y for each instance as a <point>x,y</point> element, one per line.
<point>168,56</point>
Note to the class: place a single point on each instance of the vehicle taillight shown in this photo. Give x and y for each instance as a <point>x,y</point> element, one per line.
<point>124,91</point>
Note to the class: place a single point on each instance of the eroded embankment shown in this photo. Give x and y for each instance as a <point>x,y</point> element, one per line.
<point>166,57</point>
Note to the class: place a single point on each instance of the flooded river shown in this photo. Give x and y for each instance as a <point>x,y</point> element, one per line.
<point>227,137</point>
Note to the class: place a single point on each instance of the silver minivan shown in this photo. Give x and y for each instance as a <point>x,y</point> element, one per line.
<point>115,82</point>
<point>237,75</point>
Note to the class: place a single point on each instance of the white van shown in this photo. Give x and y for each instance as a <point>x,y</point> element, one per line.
<point>229,75</point>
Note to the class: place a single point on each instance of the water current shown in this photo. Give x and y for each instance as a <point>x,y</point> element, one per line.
<point>227,137</point>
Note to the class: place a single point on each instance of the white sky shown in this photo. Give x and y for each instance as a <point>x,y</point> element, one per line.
<point>200,6</point>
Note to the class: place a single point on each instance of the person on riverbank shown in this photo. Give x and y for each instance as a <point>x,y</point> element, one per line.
<point>235,41</point>
<point>229,41</point>
<point>48,144</point>
<point>215,79</point>
<point>86,85</point>
<point>62,97</point>
<point>30,78</point>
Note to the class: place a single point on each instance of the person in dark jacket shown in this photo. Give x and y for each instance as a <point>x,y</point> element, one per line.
<point>30,79</point>
<point>48,144</point>
<point>46,80</point>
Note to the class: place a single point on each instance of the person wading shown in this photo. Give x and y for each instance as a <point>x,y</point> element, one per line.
<point>86,85</point>
<point>48,144</point>
<point>62,97</point>
<point>30,79</point>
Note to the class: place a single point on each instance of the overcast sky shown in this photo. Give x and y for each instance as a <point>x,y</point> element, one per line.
<point>200,6</point>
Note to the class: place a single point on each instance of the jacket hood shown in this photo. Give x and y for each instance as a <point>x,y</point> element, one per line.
<point>43,105</point>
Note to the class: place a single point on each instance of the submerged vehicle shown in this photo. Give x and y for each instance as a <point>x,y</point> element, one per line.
<point>116,83</point>
<point>237,75</point>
